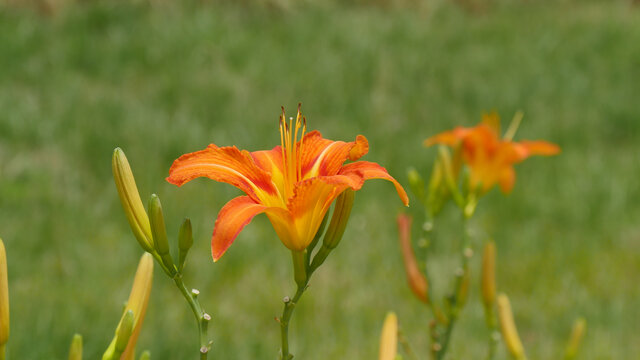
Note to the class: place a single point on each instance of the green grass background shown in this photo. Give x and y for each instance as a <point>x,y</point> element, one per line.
<point>160,80</point>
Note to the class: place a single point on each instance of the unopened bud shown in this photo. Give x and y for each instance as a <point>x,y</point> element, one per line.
<point>416,183</point>
<point>389,338</point>
<point>463,293</point>
<point>159,231</point>
<point>137,305</point>
<point>130,199</point>
<point>337,226</point>
<point>123,334</point>
<point>4,298</point>
<point>417,281</point>
<point>579,327</point>
<point>508,328</point>
<point>75,350</point>
<point>185,241</point>
<point>340,218</point>
<point>488,285</point>
<point>146,355</point>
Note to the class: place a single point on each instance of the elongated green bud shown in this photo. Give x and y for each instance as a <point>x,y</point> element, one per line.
<point>146,355</point>
<point>416,183</point>
<point>4,300</point>
<point>137,305</point>
<point>337,226</point>
<point>579,327</point>
<point>340,218</point>
<point>488,285</point>
<point>389,338</point>
<point>508,328</point>
<point>185,241</point>
<point>75,351</point>
<point>159,231</point>
<point>124,331</point>
<point>130,199</point>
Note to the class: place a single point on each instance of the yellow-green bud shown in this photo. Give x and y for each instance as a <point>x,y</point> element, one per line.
<point>489,274</point>
<point>185,241</point>
<point>337,226</point>
<point>508,328</point>
<point>159,231</point>
<point>130,199</point>
<point>146,355</point>
<point>123,334</point>
<point>75,351</point>
<point>340,218</point>
<point>4,298</point>
<point>417,184</point>
<point>579,327</point>
<point>389,338</point>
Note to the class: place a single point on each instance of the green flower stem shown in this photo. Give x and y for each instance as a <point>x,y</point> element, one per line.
<point>492,326</point>
<point>289,306</point>
<point>456,303</point>
<point>2,351</point>
<point>406,346</point>
<point>202,318</point>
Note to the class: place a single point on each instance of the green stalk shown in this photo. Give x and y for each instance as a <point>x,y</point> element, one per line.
<point>456,303</point>
<point>202,318</point>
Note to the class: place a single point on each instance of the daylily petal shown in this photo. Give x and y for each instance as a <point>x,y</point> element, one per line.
<point>539,147</point>
<point>271,162</point>
<point>232,218</point>
<point>310,202</point>
<point>322,157</point>
<point>369,170</point>
<point>507,179</point>
<point>451,138</point>
<point>224,164</point>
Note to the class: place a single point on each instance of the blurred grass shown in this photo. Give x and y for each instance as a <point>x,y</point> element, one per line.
<point>161,80</point>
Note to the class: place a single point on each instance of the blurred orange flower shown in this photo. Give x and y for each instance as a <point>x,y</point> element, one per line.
<point>294,183</point>
<point>489,157</point>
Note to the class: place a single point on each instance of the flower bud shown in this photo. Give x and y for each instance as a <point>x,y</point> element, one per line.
<point>123,334</point>
<point>508,328</point>
<point>146,355</point>
<point>577,333</point>
<point>416,183</point>
<point>337,226</point>
<point>488,285</point>
<point>389,338</point>
<point>4,299</point>
<point>159,232</point>
<point>137,305</point>
<point>417,281</point>
<point>75,351</point>
<point>185,241</point>
<point>130,199</point>
<point>340,218</point>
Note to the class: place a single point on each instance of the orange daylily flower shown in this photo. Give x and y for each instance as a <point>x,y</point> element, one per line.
<point>294,183</point>
<point>490,157</point>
